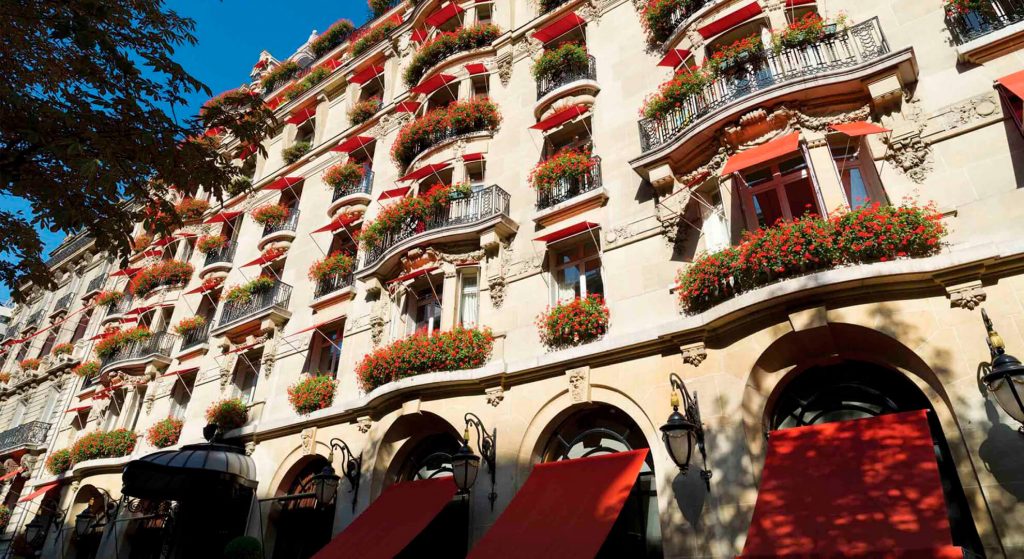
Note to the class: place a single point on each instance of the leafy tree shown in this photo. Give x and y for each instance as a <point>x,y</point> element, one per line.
<point>86,136</point>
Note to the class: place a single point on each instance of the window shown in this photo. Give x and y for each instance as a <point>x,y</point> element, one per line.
<point>49,406</point>
<point>51,339</point>
<point>713,223</point>
<point>181,394</point>
<point>305,131</point>
<point>578,272</point>
<point>480,86</point>
<point>469,299</point>
<point>117,398</point>
<point>249,167</point>
<point>246,376</point>
<point>138,397</point>
<point>20,407</point>
<point>425,310</point>
<point>326,354</point>
<point>82,326</point>
<point>851,174</point>
<point>781,190</point>
<point>483,13</point>
<point>443,97</point>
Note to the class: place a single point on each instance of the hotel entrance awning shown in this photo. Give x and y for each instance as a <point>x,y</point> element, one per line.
<point>860,488</point>
<point>565,509</point>
<point>400,513</point>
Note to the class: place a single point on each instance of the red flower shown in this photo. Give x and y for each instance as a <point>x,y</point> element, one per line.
<point>420,353</point>
<point>575,322</point>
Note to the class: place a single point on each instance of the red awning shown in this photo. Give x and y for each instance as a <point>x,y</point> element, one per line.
<point>332,64</point>
<point>127,272</point>
<point>264,259</point>
<point>140,310</point>
<point>420,35</point>
<point>299,116</point>
<point>223,217</point>
<point>1014,83</point>
<point>469,157</point>
<point>367,74</point>
<point>317,325</point>
<point>413,275</point>
<point>391,522</point>
<point>151,253</point>
<point>343,220</point>
<point>162,242</point>
<point>438,18</point>
<point>729,20</point>
<point>860,128</point>
<point>794,3</point>
<point>674,58</point>
<point>394,193</point>
<point>559,27</point>
<point>433,84</point>
<point>352,144</point>
<point>875,492</point>
<point>475,69</point>
<point>77,409</point>
<point>180,372</point>
<point>567,232</point>
<point>407,107</point>
<point>561,117</point>
<point>11,474</point>
<point>42,489</point>
<point>762,153</point>
<point>246,151</point>
<point>184,235</point>
<point>424,171</point>
<point>565,509</point>
<point>99,336</point>
<point>282,183</point>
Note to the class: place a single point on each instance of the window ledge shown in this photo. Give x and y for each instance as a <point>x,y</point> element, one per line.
<point>992,45</point>
<point>573,206</point>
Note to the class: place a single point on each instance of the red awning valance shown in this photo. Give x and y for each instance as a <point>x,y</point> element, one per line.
<point>859,128</point>
<point>559,27</point>
<point>420,35</point>
<point>762,153</point>
<point>223,217</point>
<point>407,107</point>
<point>674,58</point>
<point>469,157</point>
<point>730,20</point>
<point>42,489</point>
<point>413,275</point>
<point>301,115</point>
<point>127,272</point>
<point>367,74</point>
<point>265,259</point>
<point>77,409</point>
<point>352,144</point>
<point>567,232</point>
<point>875,491</point>
<point>565,509</point>
<point>433,84</point>
<point>561,117</point>
<point>343,220</point>
<point>391,522</point>
<point>1014,83</point>
<point>11,474</point>
<point>438,18</point>
<point>475,69</point>
<point>317,325</point>
<point>424,171</point>
<point>179,372</point>
<point>394,193</point>
<point>332,64</point>
<point>282,183</point>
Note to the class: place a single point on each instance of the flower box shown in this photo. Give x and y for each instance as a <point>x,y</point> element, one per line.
<point>168,272</point>
<point>310,80</point>
<point>675,92</point>
<point>141,241</point>
<point>190,324</point>
<point>739,53</point>
<point>573,323</point>
<point>808,30</point>
<point>295,152</point>
<point>424,353</point>
<point>441,124</point>
<point>106,298</point>
<point>29,364</point>
<point>63,349</point>
<point>659,18</point>
<point>209,284</point>
<point>228,414</point>
<point>165,432</point>
<point>332,37</point>
<point>104,444</point>
<point>565,165</point>
<point>567,58</point>
<point>59,461</point>
<point>191,209</point>
<point>415,208</point>
<point>211,243</point>
<point>113,341</point>
<point>270,214</point>
<point>312,394</point>
<point>282,73</point>
<point>87,369</point>
<point>372,36</point>
<point>446,44</point>
<point>244,292</point>
<point>344,176</point>
<point>364,110</point>
<point>338,264</point>
<point>962,7</point>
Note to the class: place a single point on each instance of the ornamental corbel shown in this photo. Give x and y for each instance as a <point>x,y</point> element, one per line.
<point>694,354</point>
<point>966,295</point>
<point>495,395</point>
<point>364,424</point>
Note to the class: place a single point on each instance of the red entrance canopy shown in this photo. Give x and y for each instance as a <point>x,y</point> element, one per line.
<point>282,183</point>
<point>223,217</point>
<point>561,117</point>
<point>299,116</point>
<point>394,193</point>
<point>859,128</point>
<point>565,509</point>
<point>674,58</point>
<point>438,18</point>
<point>567,232</point>
<point>180,372</point>
<point>42,489</point>
<point>559,27</point>
<point>338,222</point>
<point>433,84</point>
<point>367,74</point>
<point>875,492</point>
<point>400,513</point>
<point>424,171</point>
<point>352,144</point>
<point>475,69</point>
<point>729,20</point>
<point>762,153</point>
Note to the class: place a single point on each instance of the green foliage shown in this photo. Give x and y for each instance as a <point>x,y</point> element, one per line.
<point>446,44</point>
<point>566,58</point>
<point>294,152</point>
<point>334,36</point>
<point>243,547</point>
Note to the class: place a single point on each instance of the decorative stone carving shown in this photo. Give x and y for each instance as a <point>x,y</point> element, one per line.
<point>270,352</point>
<point>495,395</point>
<point>496,287</point>
<point>29,463</point>
<point>911,155</point>
<point>10,465</point>
<point>308,438</point>
<point>966,295</point>
<point>579,384</point>
<point>694,354</point>
<point>965,112</point>
<point>364,424</point>
<point>376,329</point>
<point>250,447</point>
<point>148,402</point>
<point>504,65</point>
<point>227,366</point>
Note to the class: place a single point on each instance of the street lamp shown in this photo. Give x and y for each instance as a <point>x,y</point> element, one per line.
<point>84,521</point>
<point>1005,380</point>
<point>325,484</point>
<point>466,463</point>
<point>88,521</point>
<point>684,430</point>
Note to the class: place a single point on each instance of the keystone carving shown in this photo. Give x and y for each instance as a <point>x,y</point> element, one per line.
<point>250,447</point>
<point>966,295</point>
<point>579,384</point>
<point>308,438</point>
<point>694,354</point>
<point>495,395</point>
<point>364,424</point>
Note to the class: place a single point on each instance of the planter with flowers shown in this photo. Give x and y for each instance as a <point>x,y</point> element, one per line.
<point>141,241</point>
<point>380,7</point>
<point>5,377</point>
<point>674,93</point>
<point>567,166</point>
<point>338,264</point>
<point>374,35</point>
<point>107,298</point>
<point>808,30</point>
<point>231,98</point>
<point>963,7</point>
<point>364,110</point>
<point>191,209</point>
<point>446,44</point>
<point>110,343</point>
<point>165,432</point>
<point>211,243</point>
<point>87,369</point>
<point>748,50</point>
<point>165,273</point>
<point>442,124</point>
<point>317,75</point>
<point>104,444</point>
<point>30,364</point>
<point>209,284</point>
<point>567,59</point>
<point>311,394</point>
<point>573,323</point>
<point>661,17</point>
<point>344,176</point>
<point>62,349</point>
<point>412,211</point>
<point>270,214</point>
<point>332,37</point>
<point>279,75</point>
<point>228,414</point>
<point>421,353</point>
<point>189,325</point>
<point>59,461</point>
<point>294,152</point>
<point>244,292</point>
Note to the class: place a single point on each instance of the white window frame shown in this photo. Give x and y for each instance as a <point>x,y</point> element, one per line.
<point>558,266</point>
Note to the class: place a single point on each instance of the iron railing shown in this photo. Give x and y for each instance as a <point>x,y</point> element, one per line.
<point>31,433</point>
<point>225,253</point>
<point>364,186</point>
<point>550,83</point>
<point>568,188</point>
<point>844,49</point>
<point>276,296</point>
<point>67,250</point>
<point>681,13</point>
<point>159,343</point>
<point>121,306</point>
<point>63,303</point>
<point>330,284</point>
<point>289,223</point>
<point>195,337</point>
<point>474,207</point>
<point>438,137</point>
<point>548,5</point>
<point>992,16</point>
<point>96,283</point>
<point>33,320</point>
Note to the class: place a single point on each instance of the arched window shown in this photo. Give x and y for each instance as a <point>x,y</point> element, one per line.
<point>302,527</point>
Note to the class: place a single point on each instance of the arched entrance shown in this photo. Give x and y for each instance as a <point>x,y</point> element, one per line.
<point>86,546</point>
<point>447,534</point>
<point>302,527</point>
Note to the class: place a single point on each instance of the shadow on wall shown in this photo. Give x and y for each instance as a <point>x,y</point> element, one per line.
<point>1002,448</point>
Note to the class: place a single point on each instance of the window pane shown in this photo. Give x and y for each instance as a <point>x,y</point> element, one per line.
<point>594,282</point>
<point>791,165</point>
<point>757,177</point>
<point>469,301</point>
<point>568,283</point>
<point>856,191</point>
<point>767,208</point>
<point>801,198</point>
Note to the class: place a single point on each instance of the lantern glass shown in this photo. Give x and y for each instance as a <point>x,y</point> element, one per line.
<point>465,467</point>
<point>325,486</point>
<point>679,442</point>
<point>83,522</point>
<point>1006,391</point>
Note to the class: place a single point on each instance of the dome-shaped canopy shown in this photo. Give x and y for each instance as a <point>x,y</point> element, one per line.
<point>207,470</point>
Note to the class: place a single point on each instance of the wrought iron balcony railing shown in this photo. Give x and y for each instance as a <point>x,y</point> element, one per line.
<point>330,284</point>
<point>548,5</point>
<point>195,337</point>
<point>569,188</point>
<point>680,14</point>
<point>550,83</point>
<point>277,296</point>
<point>63,303</point>
<point>158,344</point>
<point>33,320</point>
<point>31,433</point>
<point>475,207</point>
<point>96,283</point>
<point>121,306</point>
<point>289,224</point>
<point>990,17</point>
<point>845,49</point>
<point>365,186</point>
<point>225,253</point>
<point>67,250</point>
<point>441,136</point>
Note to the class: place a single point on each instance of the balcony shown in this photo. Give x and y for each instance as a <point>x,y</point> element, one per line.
<point>993,16</point>
<point>195,338</point>
<point>96,284</point>
<point>284,231</point>
<point>848,49</point>
<point>570,188</point>
<point>365,186</point>
<point>549,5</point>
<point>665,31</point>
<point>67,250</point>
<point>548,84</point>
<point>236,313</point>
<point>33,320</point>
<point>462,217</point>
<point>331,284</point>
<point>32,433</point>
<point>156,347</point>
<point>223,255</point>
<point>119,307</point>
<point>63,304</point>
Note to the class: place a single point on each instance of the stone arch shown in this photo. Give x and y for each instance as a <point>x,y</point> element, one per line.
<point>398,442</point>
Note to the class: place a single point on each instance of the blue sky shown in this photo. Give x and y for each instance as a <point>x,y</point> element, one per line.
<point>231,35</point>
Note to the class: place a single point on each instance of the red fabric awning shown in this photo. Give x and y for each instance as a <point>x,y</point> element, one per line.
<point>565,509</point>
<point>162,242</point>
<point>1014,83</point>
<point>567,232</point>
<point>180,372</point>
<point>433,84</point>
<point>343,220</point>
<point>332,64</point>
<point>127,272</point>
<point>729,20</point>
<point>875,492</point>
<point>762,153</point>
<point>367,74</point>
<point>561,117</point>
<point>301,115</point>
<point>223,217</point>
<point>42,489</point>
<point>438,18</point>
<point>352,144</point>
<point>420,35</point>
<point>282,183</point>
<point>559,27</point>
<point>475,69</point>
<point>246,151</point>
<point>473,157</point>
<point>264,259</point>
<point>424,171</point>
<point>317,325</point>
<point>674,58</point>
<point>203,289</point>
<point>151,253</point>
<point>140,310</point>
<point>794,3</point>
<point>413,275</point>
<point>77,409</point>
<point>394,193</point>
<point>11,474</point>
<point>860,128</point>
<point>407,107</point>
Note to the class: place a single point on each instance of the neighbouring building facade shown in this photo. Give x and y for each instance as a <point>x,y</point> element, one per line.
<point>524,230</point>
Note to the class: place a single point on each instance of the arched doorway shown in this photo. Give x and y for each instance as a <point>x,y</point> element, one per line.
<point>302,527</point>
<point>850,389</point>
<point>603,429</point>
<point>447,535</point>
<point>86,546</point>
